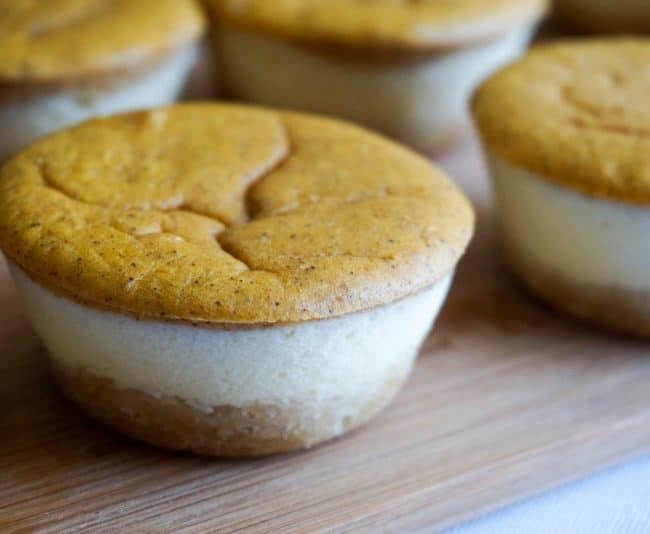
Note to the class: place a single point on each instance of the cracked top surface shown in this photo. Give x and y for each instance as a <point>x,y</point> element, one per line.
<point>409,24</point>
<point>49,40</point>
<point>227,214</point>
<point>576,113</point>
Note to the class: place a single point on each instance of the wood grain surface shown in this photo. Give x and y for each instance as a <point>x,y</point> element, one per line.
<point>507,400</point>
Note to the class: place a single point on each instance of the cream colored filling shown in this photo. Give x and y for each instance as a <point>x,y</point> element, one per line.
<point>422,102</point>
<point>343,362</point>
<point>27,120</point>
<point>583,239</point>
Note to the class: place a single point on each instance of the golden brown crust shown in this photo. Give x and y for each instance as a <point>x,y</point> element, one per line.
<point>227,214</point>
<point>619,309</point>
<point>577,114</point>
<point>381,24</point>
<point>223,431</point>
<point>70,39</point>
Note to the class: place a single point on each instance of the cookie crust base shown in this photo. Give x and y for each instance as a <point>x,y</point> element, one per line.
<point>620,309</point>
<point>221,431</point>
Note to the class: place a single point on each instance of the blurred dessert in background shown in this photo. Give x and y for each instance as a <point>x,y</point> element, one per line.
<point>203,80</point>
<point>567,135</point>
<point>402,68</point>
<point>63,61</point>
<point>614,16</point>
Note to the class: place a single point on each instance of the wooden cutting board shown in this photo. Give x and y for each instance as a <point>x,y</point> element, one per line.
<point>507,400</point>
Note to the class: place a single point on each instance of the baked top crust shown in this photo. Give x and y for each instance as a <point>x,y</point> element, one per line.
<point>417,25</point>
<point>228,214</point>
<point>62,39</point>
<point>577,114</point>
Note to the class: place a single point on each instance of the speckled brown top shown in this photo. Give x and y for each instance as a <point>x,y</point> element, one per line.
<point>405,24</point>
<point>46,40</point>
<point>577,113</point>
<point>216,213</point>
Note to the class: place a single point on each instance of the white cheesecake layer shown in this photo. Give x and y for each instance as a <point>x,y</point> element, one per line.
<point>28,119</point>
<point>583,239</point>
<point>343,361</point>
<point>422,102</point>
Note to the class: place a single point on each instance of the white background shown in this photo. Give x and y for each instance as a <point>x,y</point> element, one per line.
<point>614,501</point>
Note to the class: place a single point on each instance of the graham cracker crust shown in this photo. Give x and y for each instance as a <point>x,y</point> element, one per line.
<point>221,431</point>
<point>621,310</point>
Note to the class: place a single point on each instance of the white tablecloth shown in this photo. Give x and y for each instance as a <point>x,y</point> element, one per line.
<point>616,501</point>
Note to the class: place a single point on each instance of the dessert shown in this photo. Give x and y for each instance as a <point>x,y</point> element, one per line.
<point>229,280</point>
<point>605,15</point>
<point>567,135</point>
<point>63,61</point>
<point>403,68</point>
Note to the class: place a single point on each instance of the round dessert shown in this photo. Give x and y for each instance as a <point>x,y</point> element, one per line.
<point>229,280</point>
<point>605,15</point>
<point>567,135</point>
<point>403,68</point>
<point>63,61</point>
